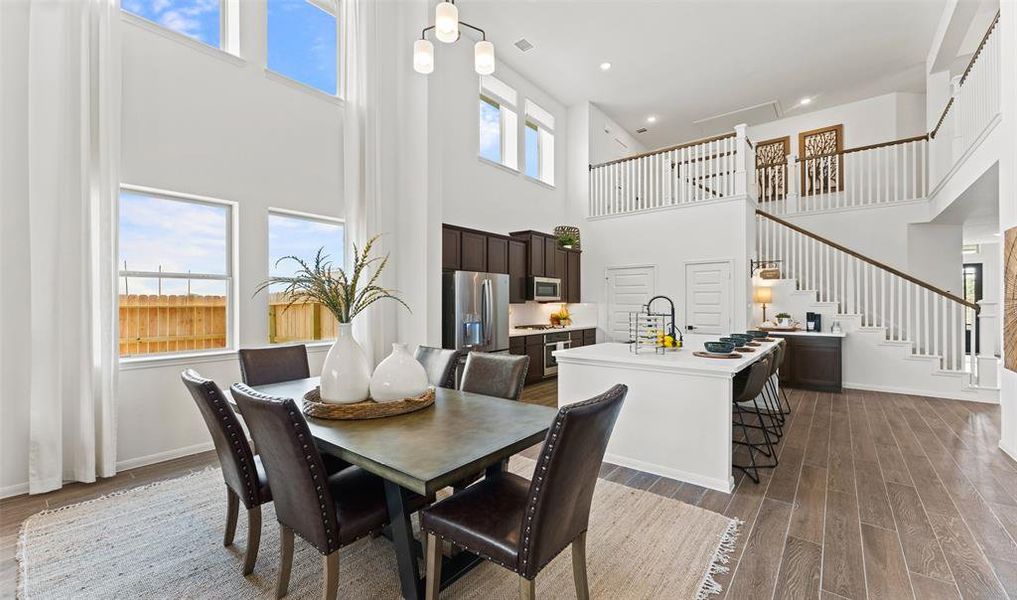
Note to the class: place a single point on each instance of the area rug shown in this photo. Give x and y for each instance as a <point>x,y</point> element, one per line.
<point>164,540</point>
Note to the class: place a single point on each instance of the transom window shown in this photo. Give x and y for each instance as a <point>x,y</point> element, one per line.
<point>498,122</point>
<point>300,235</point>
<point>539,143</point>
<point>201,20</point>
<point>175,273</point>
<point>302,42</point>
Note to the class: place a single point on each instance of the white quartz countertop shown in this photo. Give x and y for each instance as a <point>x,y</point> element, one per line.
<point>616,354</point>
<point>516,332</point>
<point>810,333</point>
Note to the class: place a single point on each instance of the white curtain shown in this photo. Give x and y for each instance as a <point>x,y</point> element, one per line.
<point>363,156</point>
<point>73,151</point>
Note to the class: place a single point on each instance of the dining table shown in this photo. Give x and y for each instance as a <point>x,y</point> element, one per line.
<point>460,435</point>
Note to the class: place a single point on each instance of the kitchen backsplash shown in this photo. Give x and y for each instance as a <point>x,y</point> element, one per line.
<point>534,313</point>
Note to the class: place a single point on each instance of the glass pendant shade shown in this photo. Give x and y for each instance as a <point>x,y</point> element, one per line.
<point>446,22</point>
<point>423,57</point>
<point>483,57</point>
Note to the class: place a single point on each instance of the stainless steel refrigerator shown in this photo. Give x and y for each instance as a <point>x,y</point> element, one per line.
<point>475,311</point>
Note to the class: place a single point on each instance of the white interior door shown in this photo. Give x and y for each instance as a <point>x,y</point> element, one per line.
<point>628,290</point>
<point>708,291</point>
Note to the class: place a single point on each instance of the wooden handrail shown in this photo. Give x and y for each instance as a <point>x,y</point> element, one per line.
<point>666,149</point>
<point>964,76</point>
<point>942,117</point>
<point>871,261</point>
<point>869,147</point>
<point>981,45</point>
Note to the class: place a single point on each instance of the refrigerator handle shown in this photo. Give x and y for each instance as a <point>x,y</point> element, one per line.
<point>487,310</point>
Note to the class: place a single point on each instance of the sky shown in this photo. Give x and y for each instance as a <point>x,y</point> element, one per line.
<point>184,237</point>
<point>301,36</point>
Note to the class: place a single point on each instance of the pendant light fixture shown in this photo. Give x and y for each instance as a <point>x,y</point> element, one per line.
<point>446,29</point>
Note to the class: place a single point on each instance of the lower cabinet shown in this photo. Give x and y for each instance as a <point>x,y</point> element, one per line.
<point>812,362</point>
<point>533,346</point>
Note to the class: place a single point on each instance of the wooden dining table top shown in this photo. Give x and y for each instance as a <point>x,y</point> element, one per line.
<point>427,450</point>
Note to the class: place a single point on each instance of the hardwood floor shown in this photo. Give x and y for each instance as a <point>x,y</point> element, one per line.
<point>876,496</point>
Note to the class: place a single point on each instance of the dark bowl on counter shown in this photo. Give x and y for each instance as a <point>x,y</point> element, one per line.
<point>756,334</point>
<point>719,347</point>
<point>731,340</point>
<point>741,337</point>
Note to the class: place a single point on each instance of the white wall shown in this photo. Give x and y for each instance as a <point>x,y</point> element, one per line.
<point>474,192</point>
<point>608,140</point>
<point>667,239</point>
<point>934,255</point>
<point>870,121</point>
<point>1008,197</point>
<point>199,121</point>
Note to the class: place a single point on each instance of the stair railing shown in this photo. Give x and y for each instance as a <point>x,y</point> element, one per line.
<point>705,169</point>
<point>973,106</point>
<point>911,310</point>
<point>864,176</point>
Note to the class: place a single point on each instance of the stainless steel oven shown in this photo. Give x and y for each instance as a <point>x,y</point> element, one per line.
<point>554,341</point>
<point>543,289</point>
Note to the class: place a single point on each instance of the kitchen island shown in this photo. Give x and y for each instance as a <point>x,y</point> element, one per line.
<point>676,420</point>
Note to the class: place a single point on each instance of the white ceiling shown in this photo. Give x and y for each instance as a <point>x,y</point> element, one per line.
<point>685,61</point>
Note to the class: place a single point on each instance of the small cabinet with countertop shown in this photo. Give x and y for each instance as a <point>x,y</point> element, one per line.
<point>536,347</point>
<point>812,361</point>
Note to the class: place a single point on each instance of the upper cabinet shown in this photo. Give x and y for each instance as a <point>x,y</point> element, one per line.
<point>521,255</point>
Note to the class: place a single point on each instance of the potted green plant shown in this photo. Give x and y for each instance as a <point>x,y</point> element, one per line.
<point>567,239</point>
<point>783,319</point>
<point>346,373</point>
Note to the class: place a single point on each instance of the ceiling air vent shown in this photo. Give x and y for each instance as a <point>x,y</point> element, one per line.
<point>523,44</point>
<point>641,130</point>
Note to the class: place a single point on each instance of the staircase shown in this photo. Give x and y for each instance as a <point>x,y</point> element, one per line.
<point>901,329</point>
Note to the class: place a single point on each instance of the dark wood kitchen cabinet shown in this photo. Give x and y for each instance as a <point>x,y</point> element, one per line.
<point>560,264</point>
<point>517,271</point>
<point>497,255</point>
<point>572,276</point>
<point>451,248</point>
<point>812,362</point>
<point>474,252</point>
<point>551,257</point>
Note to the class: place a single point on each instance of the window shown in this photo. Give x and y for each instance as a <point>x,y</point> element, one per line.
<point>538,146</point>
<point>175,273</point>
<point>300,235</point>
<point>498,122</point>
<point>197,19</point>
<point>302,42</point>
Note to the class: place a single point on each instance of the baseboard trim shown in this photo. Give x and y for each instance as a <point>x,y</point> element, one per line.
<point>18,489</point>
<point>158,457</point>
<point>1012,452</point>
<point>974,397</point>
<point>654,469</point>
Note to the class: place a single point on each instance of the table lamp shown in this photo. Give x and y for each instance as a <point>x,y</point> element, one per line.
<point>764,296</point>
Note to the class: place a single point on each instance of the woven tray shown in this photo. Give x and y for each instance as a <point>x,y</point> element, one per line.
<point>368,409</point>
<point>745,349</point>
<point>721,356</point>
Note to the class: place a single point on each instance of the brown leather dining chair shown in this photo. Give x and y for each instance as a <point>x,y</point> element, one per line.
<point>522,524</point>
<point>499,375</point>
<point>328,511</point>
<point>242,469</point>
<point>262,366</point>
<point>440,365</point>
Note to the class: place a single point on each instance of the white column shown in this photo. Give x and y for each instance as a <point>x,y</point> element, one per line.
<point>742,169</point>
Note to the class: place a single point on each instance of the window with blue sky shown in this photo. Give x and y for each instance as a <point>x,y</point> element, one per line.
<point>197,19</point>
<point>498,124</point>
<point>531,150</point>
<point>300,236</point>
<point>490,130</point>
<point>302,42</point>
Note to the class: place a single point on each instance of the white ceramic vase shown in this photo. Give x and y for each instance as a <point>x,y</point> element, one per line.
<point>399,376</point>
<point>346,374</point>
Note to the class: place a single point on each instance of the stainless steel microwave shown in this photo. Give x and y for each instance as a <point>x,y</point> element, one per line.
<point>543,289</point>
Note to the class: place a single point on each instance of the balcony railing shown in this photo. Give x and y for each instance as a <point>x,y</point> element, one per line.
<point>696,171</point>
<point>864,176</point>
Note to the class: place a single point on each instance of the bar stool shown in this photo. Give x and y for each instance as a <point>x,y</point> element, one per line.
<point>745,403</point>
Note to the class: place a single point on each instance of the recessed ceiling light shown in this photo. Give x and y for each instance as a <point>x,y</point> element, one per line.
<point>651,119</point>
<point>805,101</point>
<point>604,66</point>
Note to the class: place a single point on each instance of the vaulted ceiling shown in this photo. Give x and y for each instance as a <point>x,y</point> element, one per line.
<point>686,61</point>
